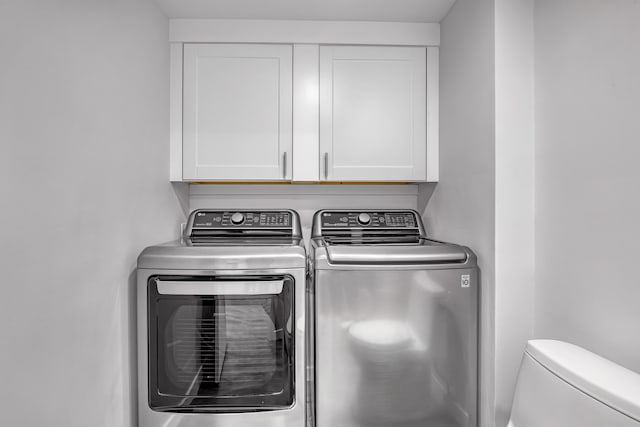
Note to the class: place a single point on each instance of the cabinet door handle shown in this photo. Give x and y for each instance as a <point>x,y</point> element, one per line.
<point>284,165</point>
<point>326,165</point>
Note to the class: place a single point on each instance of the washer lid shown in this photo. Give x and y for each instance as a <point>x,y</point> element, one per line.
<point>425,252</point>
<point>600,378</point>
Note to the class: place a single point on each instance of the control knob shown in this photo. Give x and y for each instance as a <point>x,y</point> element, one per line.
<point>237,218</point>
<point>364,218</point>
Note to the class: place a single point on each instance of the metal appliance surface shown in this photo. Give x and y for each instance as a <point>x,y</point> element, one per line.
<point>221,323</point>
<point>396,329</point>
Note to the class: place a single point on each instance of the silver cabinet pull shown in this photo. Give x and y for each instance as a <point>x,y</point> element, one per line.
<point>326,165</point>
<point>284,165</point>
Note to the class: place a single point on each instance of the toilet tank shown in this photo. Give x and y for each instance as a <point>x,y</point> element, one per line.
<point>563,385</point>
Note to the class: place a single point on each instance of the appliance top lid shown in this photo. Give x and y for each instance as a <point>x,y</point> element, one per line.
<point>266,227</point>
<point>339,227</point>
<point>380,237</point>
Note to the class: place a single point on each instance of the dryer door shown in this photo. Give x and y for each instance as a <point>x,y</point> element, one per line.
<point>220,343</point>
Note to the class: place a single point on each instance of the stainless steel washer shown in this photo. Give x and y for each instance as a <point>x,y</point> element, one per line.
<point>221,331</point>
<point>396,329</point>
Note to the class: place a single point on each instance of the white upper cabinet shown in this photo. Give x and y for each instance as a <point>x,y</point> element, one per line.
<point>303,101</point>
<point>237,112</point>
<point>373,113</point>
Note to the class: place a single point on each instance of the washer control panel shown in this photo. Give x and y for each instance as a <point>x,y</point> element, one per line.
<point>241,219</point>
<point>368,219</point>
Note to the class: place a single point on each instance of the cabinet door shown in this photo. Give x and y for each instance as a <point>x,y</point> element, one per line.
<point>237,104</point>
<point>372,113</point>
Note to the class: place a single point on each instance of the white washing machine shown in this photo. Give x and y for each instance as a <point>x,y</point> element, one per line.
<point>221,331</point>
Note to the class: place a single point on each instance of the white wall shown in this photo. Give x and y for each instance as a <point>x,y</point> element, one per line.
<point>84,187</point>
<point>514,198</point>
<point>587,175</point>
<point>462,206</point>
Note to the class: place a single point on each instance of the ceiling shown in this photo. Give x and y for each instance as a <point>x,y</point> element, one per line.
<point>323,10</point>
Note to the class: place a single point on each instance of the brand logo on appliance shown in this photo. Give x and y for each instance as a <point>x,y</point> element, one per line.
<point>465,280</point>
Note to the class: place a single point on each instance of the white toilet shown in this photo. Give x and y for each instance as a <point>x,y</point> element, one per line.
<point>563,385</point>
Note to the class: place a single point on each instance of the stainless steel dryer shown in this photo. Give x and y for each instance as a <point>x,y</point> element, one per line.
<point>396,323</point>
<point>221,334</point>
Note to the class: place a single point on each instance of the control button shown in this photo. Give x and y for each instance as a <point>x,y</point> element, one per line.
<point>364,218</point>
<point>237,218</point>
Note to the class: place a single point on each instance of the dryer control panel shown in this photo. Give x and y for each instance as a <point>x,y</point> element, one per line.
<point>243,219</point>
<point>239,223</point>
